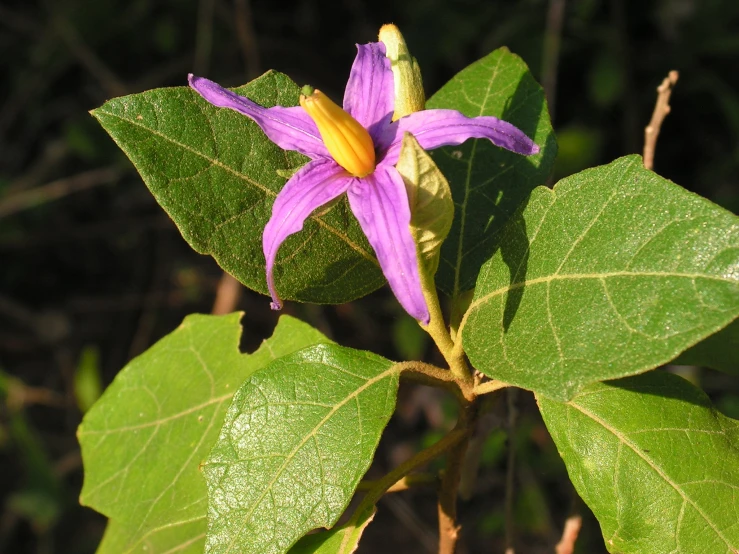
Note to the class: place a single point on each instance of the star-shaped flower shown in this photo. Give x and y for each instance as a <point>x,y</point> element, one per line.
<point>353,150</point>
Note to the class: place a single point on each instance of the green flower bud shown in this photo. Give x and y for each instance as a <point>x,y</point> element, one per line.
<point>409,95</point>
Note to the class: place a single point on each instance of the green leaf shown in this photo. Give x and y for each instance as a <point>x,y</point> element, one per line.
<point>719,351</point>
<point>182,537</point>
<point>342,540</point>
<point>614,272</point>
<point>657,464</point>
<point>297,439</point>
<point>487,182</point>
<point>216,174</point>
<point>430,199</point>
<point>143,440</point>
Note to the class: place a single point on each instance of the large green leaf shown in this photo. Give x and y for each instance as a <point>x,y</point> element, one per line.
<point>216,174</point>
<point>297,439</point>
<point>143,440</point>
<point>487,182</point>
<point>657,464</point>
<point>612,273</point>
<point>719,351</point>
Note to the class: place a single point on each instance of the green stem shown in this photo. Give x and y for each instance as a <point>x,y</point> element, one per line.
<point>433,451</point>
<point>489,386</point>
<point>460,303</point>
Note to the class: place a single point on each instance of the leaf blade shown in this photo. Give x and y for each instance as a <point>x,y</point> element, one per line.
<point>342,540</point>
<point>143,441</point>
<point>301,457</point>
<point>614,272</point>
<point>655,462</point>
<point>216,175</point>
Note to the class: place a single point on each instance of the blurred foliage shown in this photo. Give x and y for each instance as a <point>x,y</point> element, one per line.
<point>87,382</point>
<point>91,259</point>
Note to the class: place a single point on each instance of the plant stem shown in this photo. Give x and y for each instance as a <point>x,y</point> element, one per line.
<point>460,303</point>
<point>440,334</point>
<point>511,395</point>
<point>382,485</point>
<point>661,109</point>
<point>403,484</point>
<point>436,377</point>
<point>489,386</point>
<point>447,506</point>
<point>550,56</point>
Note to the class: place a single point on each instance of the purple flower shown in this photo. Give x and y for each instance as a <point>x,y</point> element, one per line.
<point>354,151</point>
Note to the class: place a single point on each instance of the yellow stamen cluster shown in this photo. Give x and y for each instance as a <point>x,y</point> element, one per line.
<point>347,141</point>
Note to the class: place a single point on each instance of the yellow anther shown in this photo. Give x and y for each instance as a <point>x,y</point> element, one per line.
<point>346,140</point>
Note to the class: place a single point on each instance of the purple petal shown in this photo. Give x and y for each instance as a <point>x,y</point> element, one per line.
<point>288,128</point>
<point>380,203</point>
<point>369,96</point>
<point>435,128</point>
<point>315,184</point>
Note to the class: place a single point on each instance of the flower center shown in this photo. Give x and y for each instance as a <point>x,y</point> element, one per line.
<point>347,141</point>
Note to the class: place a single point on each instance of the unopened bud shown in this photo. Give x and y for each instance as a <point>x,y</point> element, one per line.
<point>409,95</point>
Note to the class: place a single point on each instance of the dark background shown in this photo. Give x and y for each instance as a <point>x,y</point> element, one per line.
<point>92,272</point>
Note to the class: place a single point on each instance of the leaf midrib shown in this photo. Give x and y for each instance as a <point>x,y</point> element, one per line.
<point>623,439</point>
<point>463,216</point>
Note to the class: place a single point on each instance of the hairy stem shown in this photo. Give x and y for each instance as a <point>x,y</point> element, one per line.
<point>460,303</point>
<point>489,386</point>
<point>431,375</point>
<point>440,334</point>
